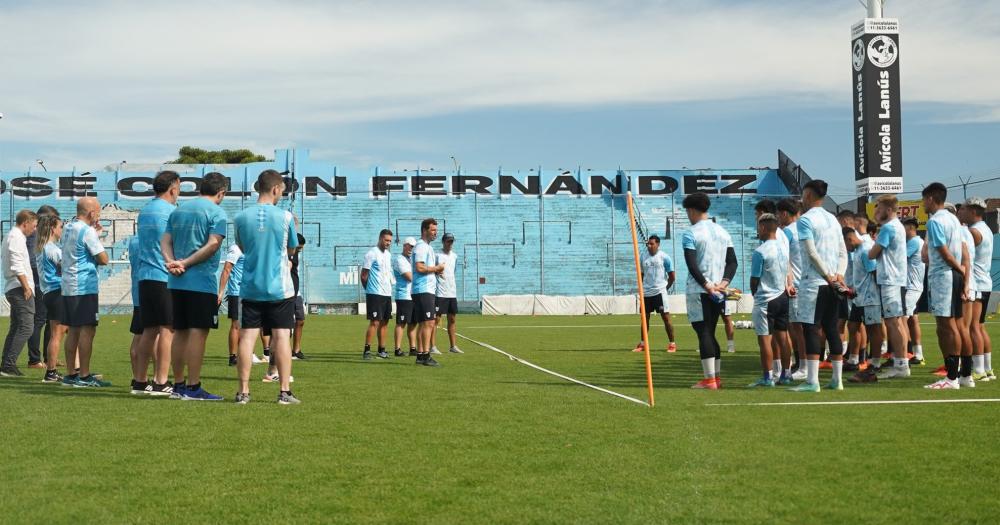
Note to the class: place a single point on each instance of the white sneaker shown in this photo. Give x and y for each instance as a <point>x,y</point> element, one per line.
<point>800,375</point>
<point>258,360</point>
<point>943,384</point>
<point>730,347</point>
<point>274,378</point>
<point>894,372</point>
<point>455,350</point>
<point>967,382</point>
<point>434,350</point>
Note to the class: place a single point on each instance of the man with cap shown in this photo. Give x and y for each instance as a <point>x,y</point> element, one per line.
<point>447,296</point>
<point>402,271</point>
<point>971,214</point>
<point>376,277</point>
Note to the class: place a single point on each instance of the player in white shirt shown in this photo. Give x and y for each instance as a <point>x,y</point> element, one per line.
<point>657,277</point>
<point>824,260</point>
<point>402,272</point>
<point>915,271</point>
<point>947,260</point>
<point>889,252</point>
<point>711,262</point>
<point>982,284</point>
<point>770,282</point>
<point>447,293</point>
<point>788,216</point>
<point>376,277</point>
<point>968,298</point>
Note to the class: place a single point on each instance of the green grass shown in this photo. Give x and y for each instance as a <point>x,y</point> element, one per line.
<point>485,440</point>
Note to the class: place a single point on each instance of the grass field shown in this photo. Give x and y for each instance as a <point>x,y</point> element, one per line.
<point>486,440</point>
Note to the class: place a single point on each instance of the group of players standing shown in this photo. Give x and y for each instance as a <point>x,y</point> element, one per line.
<point>814,273</point>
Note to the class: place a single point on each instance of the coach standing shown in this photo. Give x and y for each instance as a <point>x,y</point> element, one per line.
<point>19,290</point>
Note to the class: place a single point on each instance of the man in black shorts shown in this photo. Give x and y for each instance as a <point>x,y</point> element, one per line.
<point>402,270</point>
<point>376,277</point>
<point>425,270</point>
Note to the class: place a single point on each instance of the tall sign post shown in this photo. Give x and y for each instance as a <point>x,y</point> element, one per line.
<point>878,156</point>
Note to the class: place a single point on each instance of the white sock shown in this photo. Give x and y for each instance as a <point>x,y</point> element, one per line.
<point>776,367</point>
<point>918,351</point>
<point>853,359</point>
<point>988,361</point>
<point>885,347</point>
<point>901,362</point>
<point>977,364</point>
<point>787,373</point>
<point>812,371</point>
<point>838,371</point>
<point>730,346</point>
<point>708,367</point>
<point>718,367</point>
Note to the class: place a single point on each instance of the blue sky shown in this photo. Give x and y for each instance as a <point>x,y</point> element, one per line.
<point>599,84</point>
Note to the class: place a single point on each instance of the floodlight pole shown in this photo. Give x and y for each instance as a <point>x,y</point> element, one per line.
<point>642,301</point>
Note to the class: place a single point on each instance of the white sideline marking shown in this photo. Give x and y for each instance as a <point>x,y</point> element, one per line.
<point>536,367</point>
<point>888,402</point>
<point>633,326</point>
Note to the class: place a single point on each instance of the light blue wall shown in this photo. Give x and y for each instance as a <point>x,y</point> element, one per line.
<point>586,247</point>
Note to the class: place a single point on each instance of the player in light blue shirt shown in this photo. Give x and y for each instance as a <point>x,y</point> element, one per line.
<point>916,269</point>
<point>947,280</point>
<point>82,253</point>
<point>711,262</point>
<point>867,303</point>
<point>376,277</point>
<point>769,282</point>
<point>190,244</point>
<point>789,210</point>
<point>981,253</point>
<point>156,308</point>
<point>425,270</point>
<point>889,251</point>
<point>824,260</point>
<point>658,276</point>
<point>48,262</point>
<point>267,236</point>
<point>402,272</point>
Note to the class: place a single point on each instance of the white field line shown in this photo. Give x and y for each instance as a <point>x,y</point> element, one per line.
<point>888,402</point>
<point>550,372</point>
<point>632,326</point>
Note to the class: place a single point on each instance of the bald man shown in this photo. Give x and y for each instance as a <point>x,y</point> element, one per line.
<point>82,253</point>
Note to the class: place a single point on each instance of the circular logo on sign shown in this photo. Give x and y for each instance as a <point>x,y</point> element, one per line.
<point>858,55</point>
<point>882,51</point>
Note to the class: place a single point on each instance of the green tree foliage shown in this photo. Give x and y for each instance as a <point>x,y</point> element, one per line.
<point>192,155</point>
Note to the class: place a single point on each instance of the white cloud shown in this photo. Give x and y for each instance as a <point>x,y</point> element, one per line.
<point>148,76</point>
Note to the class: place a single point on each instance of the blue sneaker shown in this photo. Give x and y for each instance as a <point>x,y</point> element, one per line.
<point>73,380</point>
<point>199,395</point>
<point>835,385</point>
<point>92,381</point>
<point>785,381</point>
<point>805,387</point>
<point>178,392</point>
<point>762,381</point>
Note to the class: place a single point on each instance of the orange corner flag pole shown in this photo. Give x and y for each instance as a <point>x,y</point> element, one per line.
<point>642,302</point>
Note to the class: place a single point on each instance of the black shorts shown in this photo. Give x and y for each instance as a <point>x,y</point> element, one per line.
<point>53,306</point>
<point>654,303</point>
<point>777,313</point>
<point>843,311</point>
<point>985,299</point>
<point>268,315</point>
<point>193,310</point>
<point>404,312</point>
<point>136,327</point>
<point>233,307</point>
<point>828,305</point>
<point>300,309</point>
<point>378,307</point>
<point>80,310</point>
<point>156,304</point>
<point>446,306</point>
<point>424,307</point>
<point>857,315</point>
<point>957,286</point>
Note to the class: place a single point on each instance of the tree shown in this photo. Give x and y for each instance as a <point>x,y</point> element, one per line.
<point>192,155</point>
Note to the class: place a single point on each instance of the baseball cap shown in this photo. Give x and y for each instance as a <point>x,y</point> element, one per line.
<point>975,201</point>
<point>448,237</point>
<point>410,240</point>
<point>950,207</point>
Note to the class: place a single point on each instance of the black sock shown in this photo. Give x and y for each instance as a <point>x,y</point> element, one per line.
<point>951,363</point>
<point>966,365</point>
<point>195,386</point>
<point>381,349</point>
<point>412,349</point>
<point>289,392</point>
<point>178,384</point>
<point>368,348</point>
<point>139,385</point>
